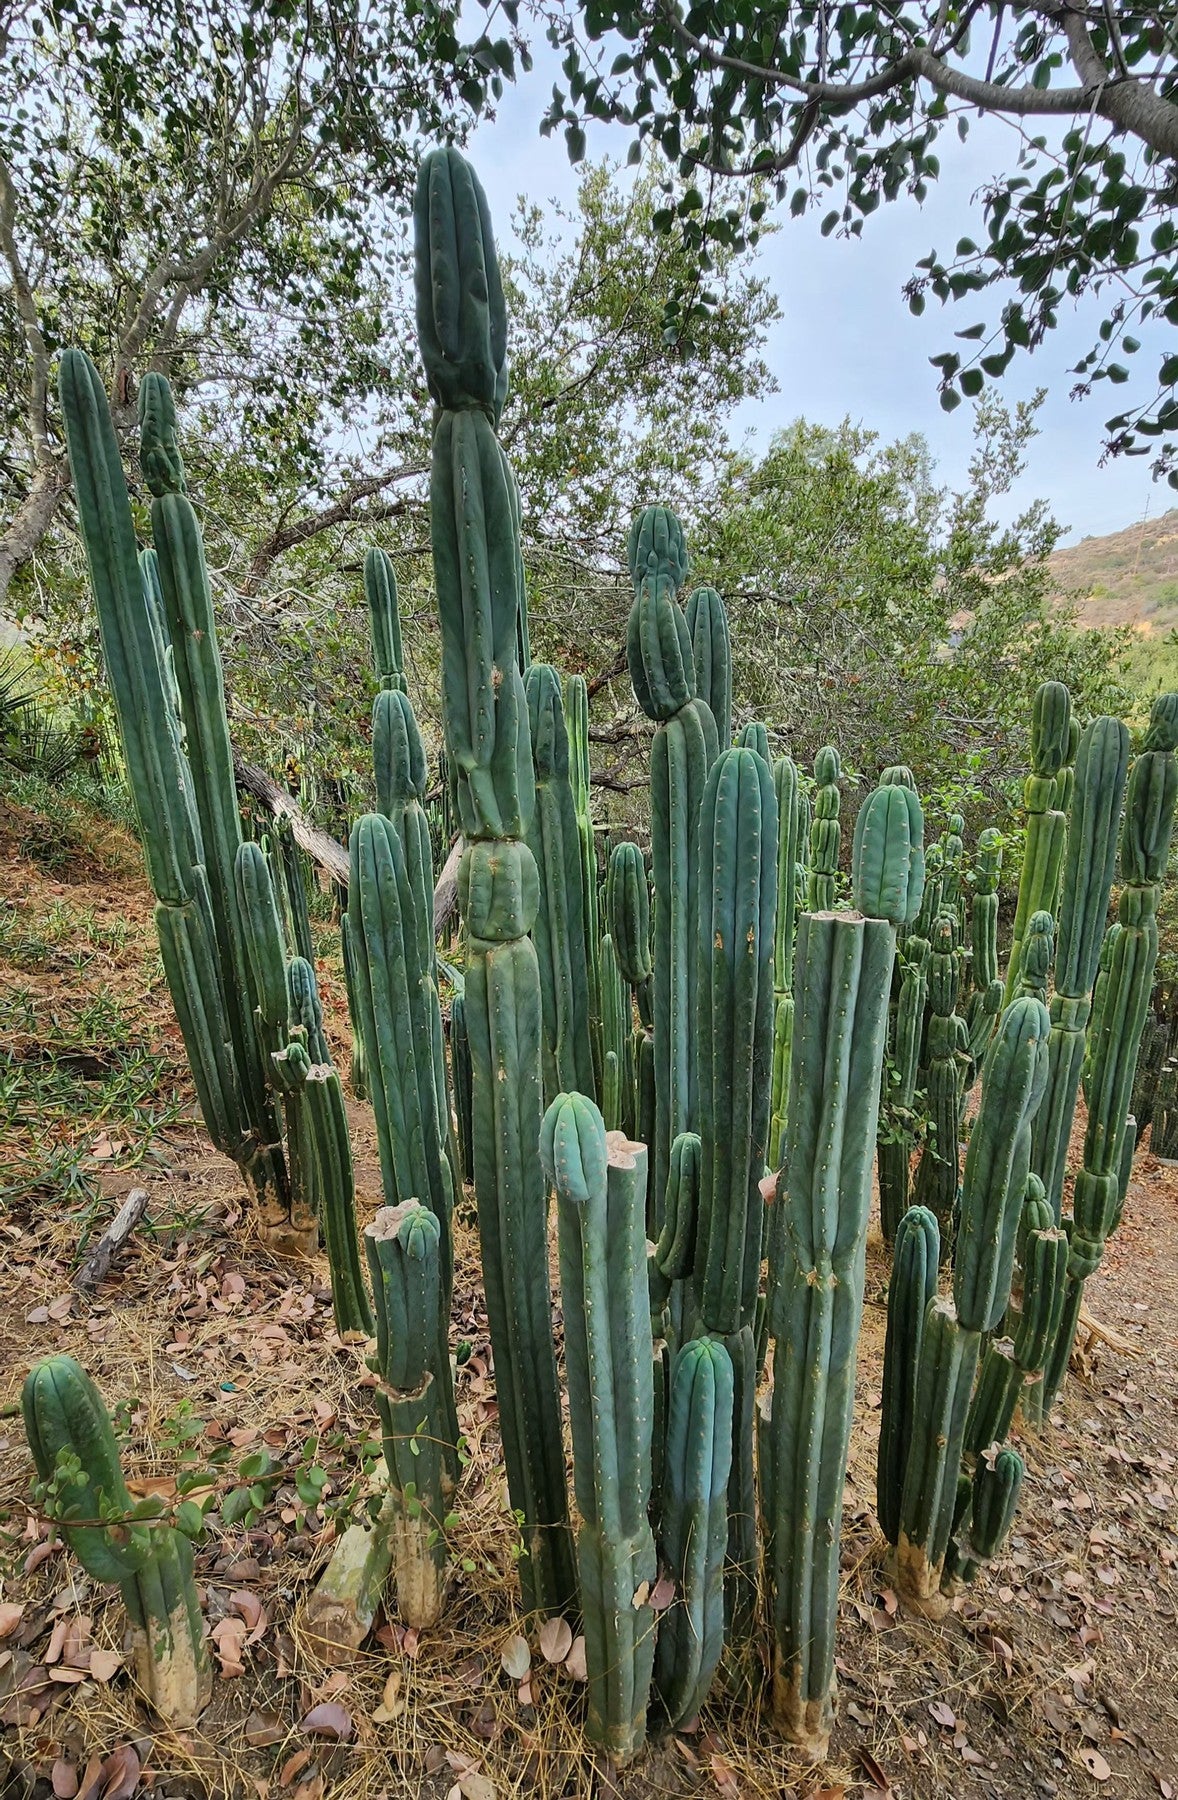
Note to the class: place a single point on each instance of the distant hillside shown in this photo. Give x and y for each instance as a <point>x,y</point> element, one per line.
<point>1129,577</point>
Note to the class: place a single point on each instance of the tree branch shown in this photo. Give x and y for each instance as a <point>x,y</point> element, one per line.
<point>340,512</point>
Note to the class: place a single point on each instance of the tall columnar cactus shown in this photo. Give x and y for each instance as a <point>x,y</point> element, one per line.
<point>1013,1367</point>
<point>1098,1197</point>
<point>894,1148</point>
<point>462,333</point>
<point>953,852</point>
<point>600,1183</point>
<point>825,832</point>
<point>948,1056</point>
<point>785,786</point>
<point>617,1043</point>
<point>559,932</point>
<point>627,905</point>
<point>402,775</point>
<point>694,1534</point>
<point>384,618</point>
<point>818,1247</point>
<point>74,1449</point>
<point>934,887</point>
<point>912,1285</point>
<point>662,670</point>
<point>1038,885</point>
<point>707,622</point>
<point>997,1162</point>
<point>985,999</point>
<point>415,1399</point>
<point>738,877</point>
<point>576,713</point>
<point>201,950</point>
<point>1102,761</point>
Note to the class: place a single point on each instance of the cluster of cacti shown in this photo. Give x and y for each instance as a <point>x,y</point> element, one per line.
<point>119,1541</point>
<point>750,1027</point>
<point>160,649</point>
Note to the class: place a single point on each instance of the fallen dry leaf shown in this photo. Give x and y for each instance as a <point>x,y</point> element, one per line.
<point>1095,1764</point>
<point>294,1765</point>
<point>262,1729</point>
<point>556,1640</point>
<point>943,1714</point>
<point>574,1662</point>
<point>64,1779</point>
<point>10,1617</point>
<point>516,1657</point>
<point>104,1663</point>
<point>662,1593</point>
<point>121,1772</point>
<point>330,1719</point>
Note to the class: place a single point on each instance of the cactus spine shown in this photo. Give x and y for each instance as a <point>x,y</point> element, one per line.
<point>600,1184</point>
<point>1038,885</point>
<point>785,786</point>
<point>818,1248</point>
<point>415,1400</point>
<point>73,1447</point>
<point>462,333</point>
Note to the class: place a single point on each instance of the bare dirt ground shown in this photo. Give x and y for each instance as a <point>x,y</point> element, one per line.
<point>1056,1675</point>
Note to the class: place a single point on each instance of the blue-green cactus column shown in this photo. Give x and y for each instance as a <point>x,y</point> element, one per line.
<point>600,1183</point>
<point>939,1171</point>
<point>985,999</point>
<point>384,618</point>
<point>825,832</point>
<point>818,1244</point>
<point>1038,885</point>
<point>785,786</point>
<point>576,714</point>
<point>662,670</point>
<point>474,524</point>
<point>711,647</point>
<point>1098,1197</point>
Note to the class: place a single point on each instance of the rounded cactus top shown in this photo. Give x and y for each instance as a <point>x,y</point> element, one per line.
<point>627,906</point>
<point>888,855</point>
<point>658,643</point>
<point>1051,728</point>
<point>550,738</point>
<point>461,314</point>
<point>380,589</point>
<point>573,1148</point>
<point>1037,951</point>
<point>1149,817</point>
<point>397,750</point>
<point>305,1006</point>
<point>754,736</point>
<point>898,775</point>
<point>827,766</point>
<point>1163,724</point>
<point>411,1226</point>
<point>956,825</point>
<point>159,452</point>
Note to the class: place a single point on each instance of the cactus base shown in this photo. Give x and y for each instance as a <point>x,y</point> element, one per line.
<point>807,1724</point>
<point>918,1580</point>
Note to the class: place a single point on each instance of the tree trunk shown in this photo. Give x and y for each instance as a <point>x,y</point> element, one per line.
<point>31,520</point>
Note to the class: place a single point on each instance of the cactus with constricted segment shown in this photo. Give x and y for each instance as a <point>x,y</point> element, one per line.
<point>120,1542</point>
<point>694,1532</point>
<point>600,1183</point>
<point>560,929</point>
<point>474,525</point>
<point>662,671</point>
<point>785,786</point>
<point>1098,1195</point>
<point>825,833</point>
<point>817,1243</point>
<point>415,1399</point>
<point>1102,762</point>
<point>707,623</point>
<point>1038,886</point>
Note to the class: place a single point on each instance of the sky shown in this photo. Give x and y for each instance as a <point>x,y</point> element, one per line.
<point>846,345</point>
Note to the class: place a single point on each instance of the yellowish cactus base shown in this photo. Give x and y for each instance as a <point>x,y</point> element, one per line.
<point>918,1581</point>
<point>804,1723</point>
<point>172,1671</point>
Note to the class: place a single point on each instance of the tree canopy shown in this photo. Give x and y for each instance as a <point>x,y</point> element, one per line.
<point>842,107</point>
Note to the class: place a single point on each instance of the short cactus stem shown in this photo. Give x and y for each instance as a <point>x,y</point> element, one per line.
<point>600,1183</point>
<point>478,577</point>
<point>461,1084</point>
<point>67,1423</point>
<point>993,1501</point>
<point>694,1532</point>
<point>415,1401</point>
<point>707,622</point>
<point>825,833</point>
<point>384,619</point>
<point>985,999</point>
<point>953,857</point>
<point>912,1285</point>
<point>1038,887</point>
<point>617,1043</point>
<point>945,1372</point>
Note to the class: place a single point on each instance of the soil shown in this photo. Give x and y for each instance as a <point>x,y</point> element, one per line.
<point>1056,1673</point>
